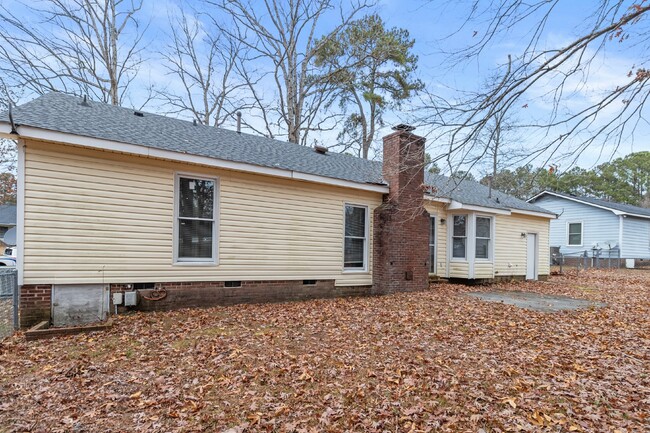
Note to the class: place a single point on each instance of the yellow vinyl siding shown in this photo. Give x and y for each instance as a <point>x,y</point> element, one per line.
<point>510,248</point>
<point>93,216</point>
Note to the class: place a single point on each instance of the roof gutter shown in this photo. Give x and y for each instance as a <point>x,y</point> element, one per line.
<point>30,132</point>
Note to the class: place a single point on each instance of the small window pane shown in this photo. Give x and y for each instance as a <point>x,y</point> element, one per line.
<point>432,259</point>
<point>432,231</point>
<point>482,248</point>
<point>196,198</point>
<point>575,234</point>
<point>459,248</point>
<point>354,253</point>
<point>483,227</point>
<point>355,221</point>
<point>460,224</point>
<point>195,239</point>
<point>574,240</point>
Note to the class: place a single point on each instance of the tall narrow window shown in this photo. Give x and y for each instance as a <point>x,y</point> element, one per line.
<point>432,245</point>
<point>575,234</point>
<point>196,237</point>
<point>483,237</point>
<point>356,242</point>
<point>459,240</point>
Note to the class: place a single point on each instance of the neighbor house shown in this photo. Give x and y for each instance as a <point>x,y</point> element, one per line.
<point>586,223</point>
<point>7,223</point>
<point>175,214</point>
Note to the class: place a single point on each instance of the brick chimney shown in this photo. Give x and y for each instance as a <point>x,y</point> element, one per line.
<point>401,224</point>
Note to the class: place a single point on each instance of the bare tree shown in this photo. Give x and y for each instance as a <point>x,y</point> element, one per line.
<point>77,46</point>
<point>553,75</point>
<point>205,63</point>
<point>283,35</point>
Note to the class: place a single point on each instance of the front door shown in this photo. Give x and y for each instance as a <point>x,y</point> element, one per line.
<point>76,304</point>
<point>531,256</point>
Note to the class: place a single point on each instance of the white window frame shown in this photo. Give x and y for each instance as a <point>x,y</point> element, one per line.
<point>568,234</point>
<point>366,244</point>
<point>189,261</point>
<point>490,239</point>
<point>433,267</point>
<point>468,217</point>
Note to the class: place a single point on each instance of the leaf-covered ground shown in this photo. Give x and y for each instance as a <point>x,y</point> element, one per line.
<point>430,361</point>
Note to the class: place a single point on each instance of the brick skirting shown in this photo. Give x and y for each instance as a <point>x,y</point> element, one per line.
<point>212,293</point>
<point>35,304</point>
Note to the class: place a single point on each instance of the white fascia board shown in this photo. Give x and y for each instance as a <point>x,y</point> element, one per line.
<point>135,149</point>
<point>438,199</point>
<point>632,215</point>
<point>533,213</point>
<point>456,205</point>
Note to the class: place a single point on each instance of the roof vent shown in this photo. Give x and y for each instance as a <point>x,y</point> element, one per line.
<point>320,149</point>
<point>403,127</point>
<point>194,122</point>
<point>139,113</point>
<point>85,103</point>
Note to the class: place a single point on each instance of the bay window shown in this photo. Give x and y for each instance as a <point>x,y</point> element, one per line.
<point>459,238</point>
<point>483,237</point>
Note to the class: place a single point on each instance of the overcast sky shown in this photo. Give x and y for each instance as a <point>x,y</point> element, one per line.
<point>436,26</point>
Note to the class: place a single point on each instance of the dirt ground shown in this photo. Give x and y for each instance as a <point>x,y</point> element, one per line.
<point>430,361</point>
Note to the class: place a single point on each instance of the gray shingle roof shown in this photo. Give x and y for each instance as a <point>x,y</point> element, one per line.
<point>626,208</point>
<point>7,215</point>
<point>475,194</point>
<point>64,113</point>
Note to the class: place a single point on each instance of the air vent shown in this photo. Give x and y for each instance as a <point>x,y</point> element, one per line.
<point>232,284</point>
<point>139,113</point>
<point>320,149</point>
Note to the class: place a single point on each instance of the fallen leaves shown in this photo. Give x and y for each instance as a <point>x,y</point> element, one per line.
<point>435,361</point>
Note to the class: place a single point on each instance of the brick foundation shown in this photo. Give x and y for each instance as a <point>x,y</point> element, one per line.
<point>212,293</point>
<point>35,304</point>
<point>401,223</point>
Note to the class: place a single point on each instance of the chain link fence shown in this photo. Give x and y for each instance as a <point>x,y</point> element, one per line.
<point>595,258</point>
<point>8,301</point>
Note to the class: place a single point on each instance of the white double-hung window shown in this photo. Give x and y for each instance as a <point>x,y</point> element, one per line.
<point>459,237</point>
<point>574,234</point>
<point>483,237</point>
<point>195,228</point>
<point>355,248</point>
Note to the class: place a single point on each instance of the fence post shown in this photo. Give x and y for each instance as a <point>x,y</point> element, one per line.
<point>16,301</point>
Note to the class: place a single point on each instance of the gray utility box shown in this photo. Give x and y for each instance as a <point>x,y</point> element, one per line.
<point>130,299</point>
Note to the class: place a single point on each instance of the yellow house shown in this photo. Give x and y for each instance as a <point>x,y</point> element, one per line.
<point>124,209</point>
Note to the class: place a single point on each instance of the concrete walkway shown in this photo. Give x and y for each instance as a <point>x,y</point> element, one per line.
<point>535,301</point>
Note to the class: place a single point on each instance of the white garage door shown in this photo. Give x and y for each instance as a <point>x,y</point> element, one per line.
<point>76,304</point>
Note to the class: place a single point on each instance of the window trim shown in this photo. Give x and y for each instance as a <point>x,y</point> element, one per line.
<point>366,243</point>
<point>433,219</point>
<point>467,237</point>
<point>568,233</point>
<point>491,238</point>
<point>214,260</point>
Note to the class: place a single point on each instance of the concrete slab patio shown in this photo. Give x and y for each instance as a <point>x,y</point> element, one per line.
<point>535,301</point>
